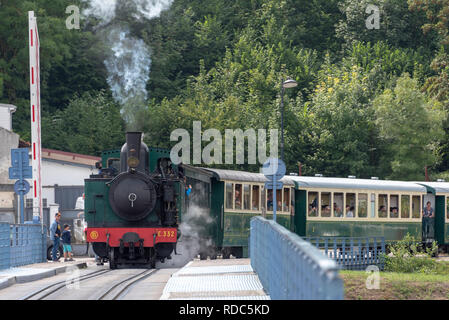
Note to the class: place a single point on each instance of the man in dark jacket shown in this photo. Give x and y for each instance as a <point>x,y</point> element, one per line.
<point>55,236</point>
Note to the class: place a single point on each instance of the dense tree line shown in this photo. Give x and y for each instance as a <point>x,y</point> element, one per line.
<point>369,102</point>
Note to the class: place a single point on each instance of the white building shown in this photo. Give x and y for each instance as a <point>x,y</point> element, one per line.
<point>6,111</point>
<point>63,175</point>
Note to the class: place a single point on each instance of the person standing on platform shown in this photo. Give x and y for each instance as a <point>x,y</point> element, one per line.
<point>55,236</point>
<point>66,243</point>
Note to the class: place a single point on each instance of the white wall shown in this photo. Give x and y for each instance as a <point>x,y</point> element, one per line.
<point>62,174</point>
<point>5,118</point>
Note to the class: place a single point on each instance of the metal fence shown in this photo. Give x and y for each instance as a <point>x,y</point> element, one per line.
<point>290,267</point>
<point>352,253</point>
<point>21,244</point>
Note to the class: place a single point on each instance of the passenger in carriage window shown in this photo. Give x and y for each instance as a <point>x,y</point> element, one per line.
<point>270,201</point>
<point>337,211</point>
<point>382,212</point>
<point>428,211</point>
<point>237,198</point>
<point>394,212</point>
<point>326,210</point>
<point>349,212</point>
<point>255,205</point>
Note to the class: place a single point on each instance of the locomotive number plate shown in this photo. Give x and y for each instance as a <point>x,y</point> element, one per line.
<point>166,234</point>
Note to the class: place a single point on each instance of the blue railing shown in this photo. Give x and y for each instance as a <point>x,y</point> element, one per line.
<point>21,245</point>
<point>290,267</point>
<point>352,253</point>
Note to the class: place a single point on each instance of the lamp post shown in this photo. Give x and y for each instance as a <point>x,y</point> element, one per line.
<point>289,83</point>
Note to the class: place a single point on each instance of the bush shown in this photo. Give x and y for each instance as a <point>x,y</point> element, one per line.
<point>404,257</point>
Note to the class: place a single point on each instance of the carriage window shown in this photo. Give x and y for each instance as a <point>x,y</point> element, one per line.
<point>279,200</point>
<point>405,207</point>
<point>362,206</point>
<point>325,204</point>
<point>383,206</point>
<point>350,205</point>
<point>238,196</point>
<point>270,200</point>
<point>286,201</point>
<point>246,197</point>
<point>313,202</point>
<point>416,207</point>
<point>394,206</point>
<point>256,198</point>
<point>229,196</point>
<point>338,205</point>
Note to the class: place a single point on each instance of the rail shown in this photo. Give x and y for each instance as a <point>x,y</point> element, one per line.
<point>21,244</point>
<point>289,267</point>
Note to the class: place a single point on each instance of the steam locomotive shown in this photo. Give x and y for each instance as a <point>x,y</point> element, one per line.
<point>132,209</point>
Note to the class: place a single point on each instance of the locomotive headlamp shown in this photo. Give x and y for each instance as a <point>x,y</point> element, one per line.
<point>133,162</point>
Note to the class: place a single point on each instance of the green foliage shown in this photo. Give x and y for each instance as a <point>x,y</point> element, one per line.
<point>222,63</point>
<point>90,124</point>
<point>406,257</point>
<point>341,120</point>
<point>409,123</point>
<point>398,26</point>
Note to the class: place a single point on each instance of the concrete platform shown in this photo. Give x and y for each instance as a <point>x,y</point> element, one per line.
<point>38,271</point>
<point>229,279</point>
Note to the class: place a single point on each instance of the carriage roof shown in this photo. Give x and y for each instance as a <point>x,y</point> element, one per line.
<point>348,183</point>
<point>435,187</point>
<point>243,176</point>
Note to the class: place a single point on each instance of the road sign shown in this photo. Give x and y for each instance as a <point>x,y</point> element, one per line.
<point>20,168</point>
<point>21,187</point>
<point>275,167</point>
<point>278,185</point>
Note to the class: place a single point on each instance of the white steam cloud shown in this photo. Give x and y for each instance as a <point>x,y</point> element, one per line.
<point>194,226</point>
<point>129,60</point>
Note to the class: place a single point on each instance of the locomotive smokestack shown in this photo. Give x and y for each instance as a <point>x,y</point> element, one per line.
<point>133,142</point>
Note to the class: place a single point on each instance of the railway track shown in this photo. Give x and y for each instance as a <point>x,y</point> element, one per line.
<point>50,289</point>
<point>115,292</point>
<point>119,290</point>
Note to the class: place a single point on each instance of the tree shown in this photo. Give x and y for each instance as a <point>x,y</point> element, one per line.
<point>410,124</point>
<point>342,135</point>
<point>398,26</point>
<point>90,124</point>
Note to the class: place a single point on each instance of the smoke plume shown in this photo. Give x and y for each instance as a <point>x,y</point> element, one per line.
<point>128,58</point>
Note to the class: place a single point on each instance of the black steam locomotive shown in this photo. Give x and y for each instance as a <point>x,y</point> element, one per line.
<point>131,211</point>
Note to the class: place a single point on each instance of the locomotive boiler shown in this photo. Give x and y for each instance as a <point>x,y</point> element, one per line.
<point>131,211</point>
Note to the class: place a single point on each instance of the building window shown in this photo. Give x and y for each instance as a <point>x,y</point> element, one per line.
<point>29,203</point>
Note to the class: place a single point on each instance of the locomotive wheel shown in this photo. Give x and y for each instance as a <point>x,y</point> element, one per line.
<point>226,253</point>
